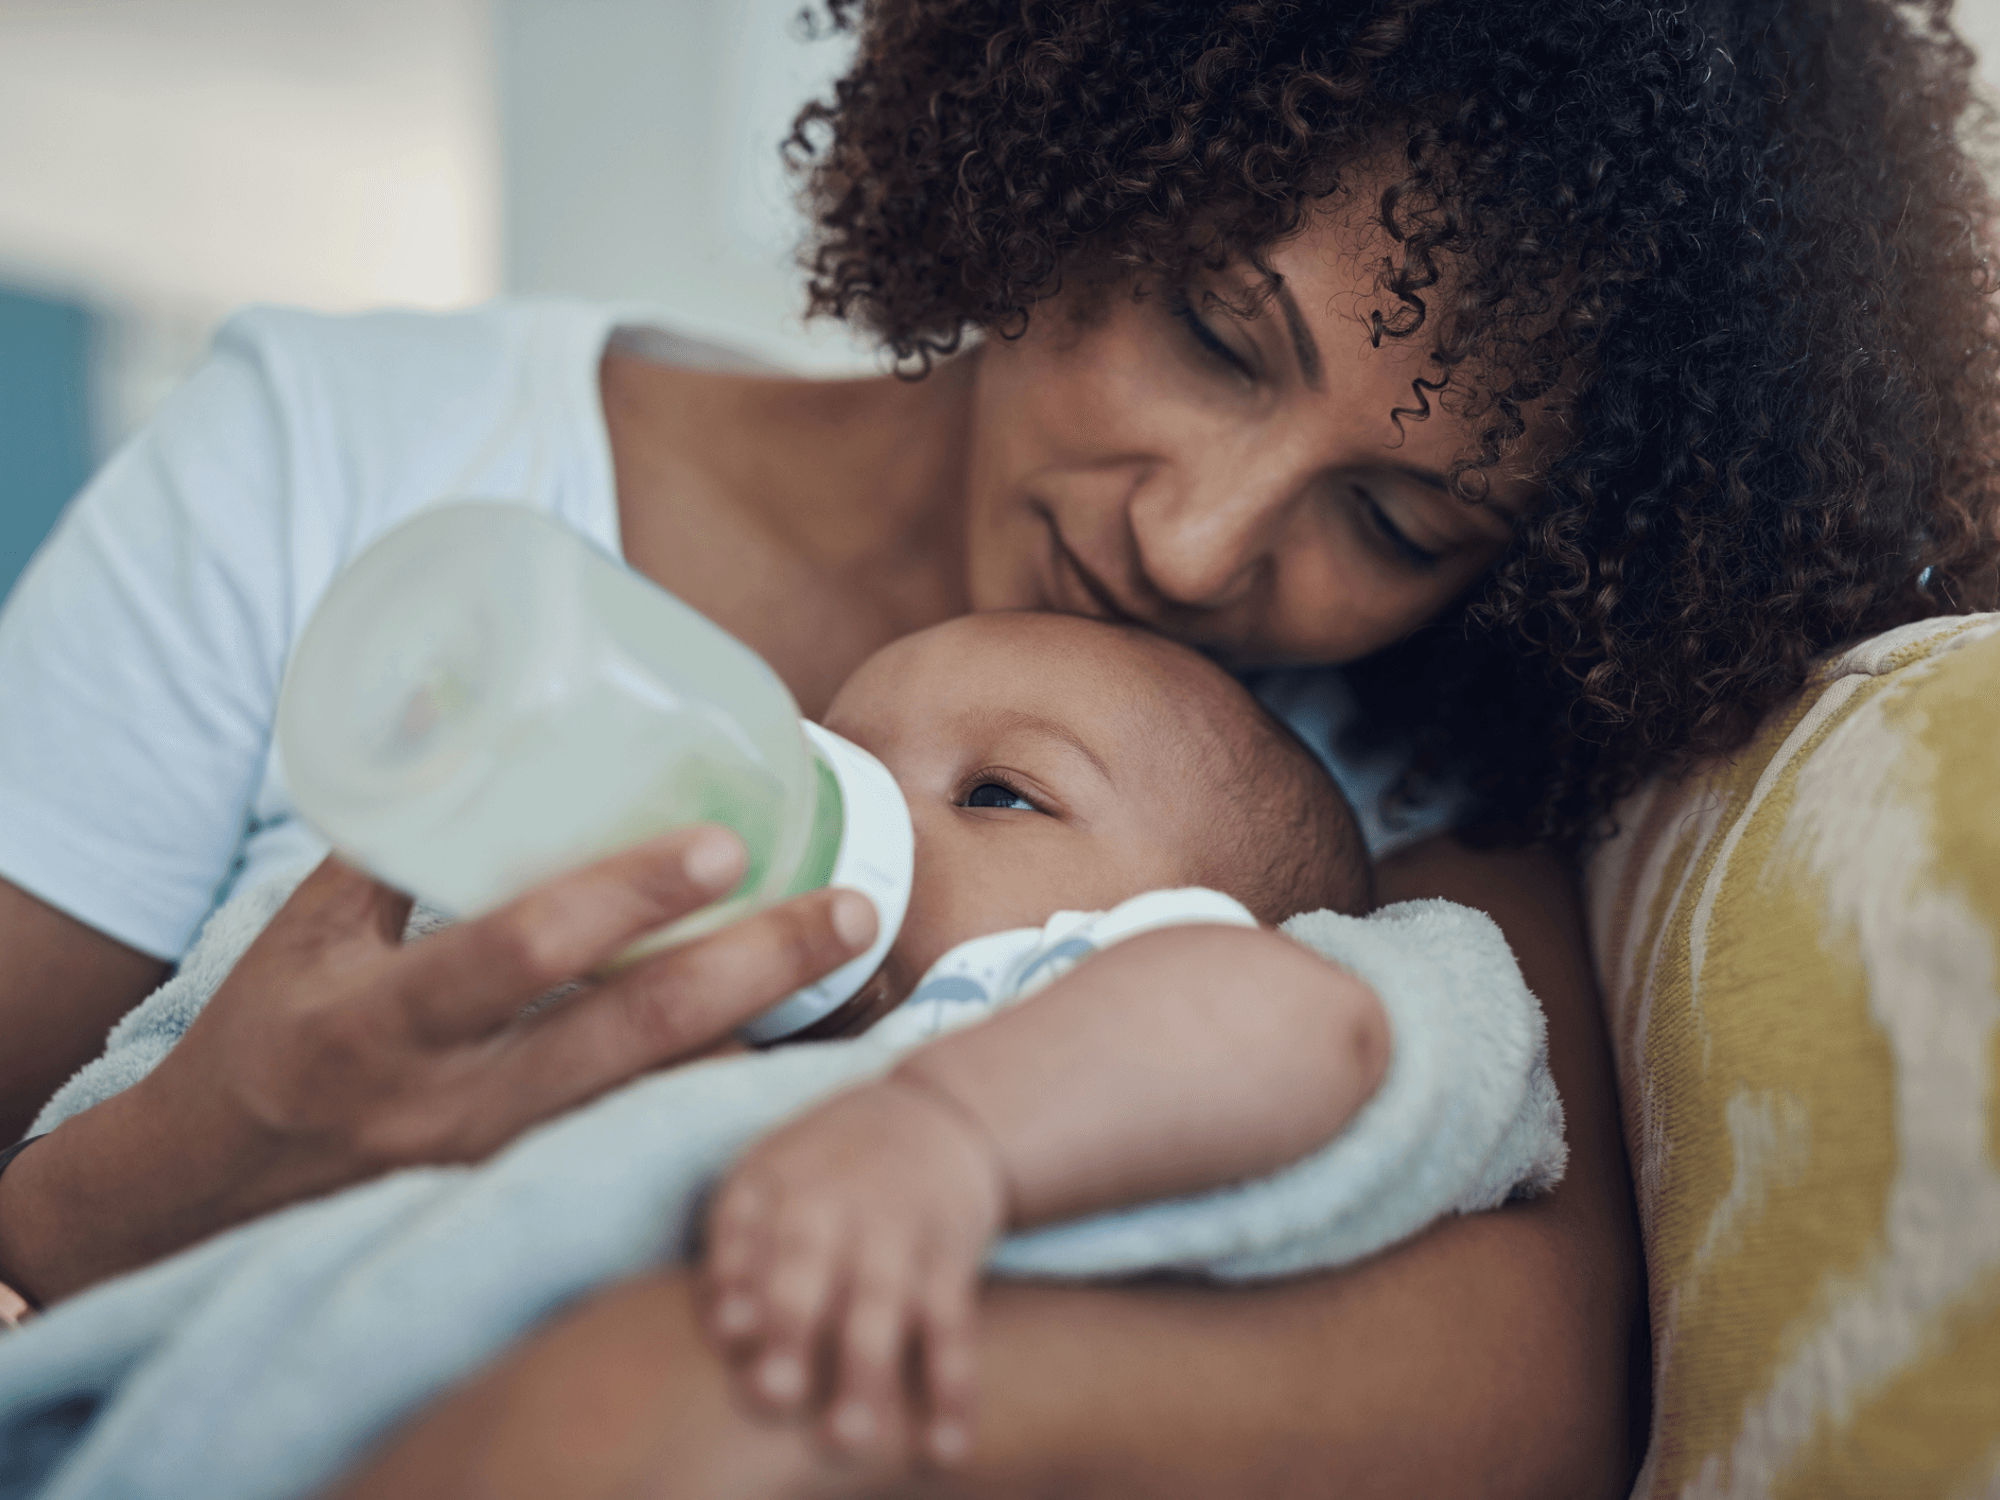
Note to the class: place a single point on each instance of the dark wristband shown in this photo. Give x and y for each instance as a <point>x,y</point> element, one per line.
<point>7,1156</point>
<point>15,1304</point>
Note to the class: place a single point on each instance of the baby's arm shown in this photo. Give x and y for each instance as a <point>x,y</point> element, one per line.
<point>1175,1061</point>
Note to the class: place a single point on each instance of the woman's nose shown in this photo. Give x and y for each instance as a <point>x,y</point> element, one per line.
<point>1202,542</point>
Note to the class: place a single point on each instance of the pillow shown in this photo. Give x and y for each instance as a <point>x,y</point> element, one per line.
<point>1799,950</point>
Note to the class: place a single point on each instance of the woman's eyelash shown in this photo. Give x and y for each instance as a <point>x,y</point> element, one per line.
<point>1397,538</point>
<point>1205,336</point>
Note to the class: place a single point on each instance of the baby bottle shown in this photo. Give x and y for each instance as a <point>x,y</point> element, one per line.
<point>483,700</point>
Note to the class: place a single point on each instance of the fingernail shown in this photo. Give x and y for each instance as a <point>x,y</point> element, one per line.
<point>854,1424</point>
<point>736,1315</point>
<point>854,918</point>
<point>782,1378</point>
<point>948,1442</point>
<point>712,861</point>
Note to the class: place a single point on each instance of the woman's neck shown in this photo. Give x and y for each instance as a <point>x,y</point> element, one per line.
<point>816,519</point>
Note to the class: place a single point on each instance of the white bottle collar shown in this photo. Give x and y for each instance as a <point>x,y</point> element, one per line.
<point>877,857</point>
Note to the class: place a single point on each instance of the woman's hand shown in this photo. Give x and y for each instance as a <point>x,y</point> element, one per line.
<point>848,1245</point>
<point>334,1051</point>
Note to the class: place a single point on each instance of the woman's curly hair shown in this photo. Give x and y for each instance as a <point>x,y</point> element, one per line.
<point>1739,245</point>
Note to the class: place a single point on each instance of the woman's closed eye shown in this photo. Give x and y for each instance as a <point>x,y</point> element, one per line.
<point>1397,539</point>
<point>1207,340</point>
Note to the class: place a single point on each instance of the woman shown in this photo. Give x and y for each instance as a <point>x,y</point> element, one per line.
<point>1574,373</point>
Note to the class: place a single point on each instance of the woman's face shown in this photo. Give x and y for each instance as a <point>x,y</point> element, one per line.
<point>1234,482</point>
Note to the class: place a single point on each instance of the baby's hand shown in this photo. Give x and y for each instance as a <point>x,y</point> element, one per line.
<point>844,1251</point>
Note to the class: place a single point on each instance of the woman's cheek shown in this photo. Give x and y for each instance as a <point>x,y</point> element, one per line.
<point>1333,613</point>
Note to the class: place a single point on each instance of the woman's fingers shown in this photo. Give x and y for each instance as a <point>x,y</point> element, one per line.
<point>694,993</point>
<point>472,978</point>
<point>679,1001</point>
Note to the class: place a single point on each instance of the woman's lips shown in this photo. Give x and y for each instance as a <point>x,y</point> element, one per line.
<point>1076,588</point>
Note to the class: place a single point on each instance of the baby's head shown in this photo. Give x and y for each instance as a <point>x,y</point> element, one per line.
<point>1052,762</point>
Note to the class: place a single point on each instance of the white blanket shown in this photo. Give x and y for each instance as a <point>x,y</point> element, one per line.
<point>261,1362</point>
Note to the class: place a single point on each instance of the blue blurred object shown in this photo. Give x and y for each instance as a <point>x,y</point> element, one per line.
<point>45,447</point>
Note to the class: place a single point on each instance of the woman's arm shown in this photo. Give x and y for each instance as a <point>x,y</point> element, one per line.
<point>62,987</point>
<point>1497,1354</point>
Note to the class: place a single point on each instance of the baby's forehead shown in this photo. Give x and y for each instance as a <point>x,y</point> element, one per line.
<point>1128,694</point>
<point>1076,642</point>
<point>1140,692</point>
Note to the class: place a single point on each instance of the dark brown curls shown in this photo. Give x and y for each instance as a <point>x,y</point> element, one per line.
<point>1738,245</point>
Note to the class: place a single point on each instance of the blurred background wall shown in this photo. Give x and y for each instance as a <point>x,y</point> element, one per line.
<point>640,149</point>
<point>162,161</point>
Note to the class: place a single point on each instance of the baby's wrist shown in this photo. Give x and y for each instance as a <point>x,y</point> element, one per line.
<point>951,1115</point>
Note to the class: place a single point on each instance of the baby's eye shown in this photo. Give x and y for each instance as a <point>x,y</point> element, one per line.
<point>993,794</point>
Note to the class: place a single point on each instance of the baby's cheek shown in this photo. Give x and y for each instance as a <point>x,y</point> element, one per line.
<point>927,923</point>
<point>962,891</point>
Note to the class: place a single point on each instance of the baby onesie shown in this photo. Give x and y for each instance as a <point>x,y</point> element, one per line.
<point>984,973</point>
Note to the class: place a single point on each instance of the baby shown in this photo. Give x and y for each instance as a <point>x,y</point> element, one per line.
<point>1149,767</point>
<point>1049,762</point>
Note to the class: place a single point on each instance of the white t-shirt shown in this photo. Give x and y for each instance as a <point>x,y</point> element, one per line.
<point>141,651</point>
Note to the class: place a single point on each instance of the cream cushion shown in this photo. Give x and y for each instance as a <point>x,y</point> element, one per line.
<point>1799,950</point>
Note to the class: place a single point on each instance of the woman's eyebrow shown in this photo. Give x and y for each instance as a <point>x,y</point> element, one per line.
<point>1303,342</point>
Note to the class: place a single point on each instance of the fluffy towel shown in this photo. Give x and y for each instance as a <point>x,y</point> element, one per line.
<point>259,1363</point>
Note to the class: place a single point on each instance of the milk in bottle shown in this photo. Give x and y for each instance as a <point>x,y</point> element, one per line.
<point>483,700</point>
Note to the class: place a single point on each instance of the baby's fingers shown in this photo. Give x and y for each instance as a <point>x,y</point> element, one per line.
<point>799,1282</point>
<point>735,1260</point>
<point>873,1337</point>
<point>948,1360</point>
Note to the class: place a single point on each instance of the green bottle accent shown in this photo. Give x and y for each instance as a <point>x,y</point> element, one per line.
<point>823,843</point>
<point>704,789</point>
